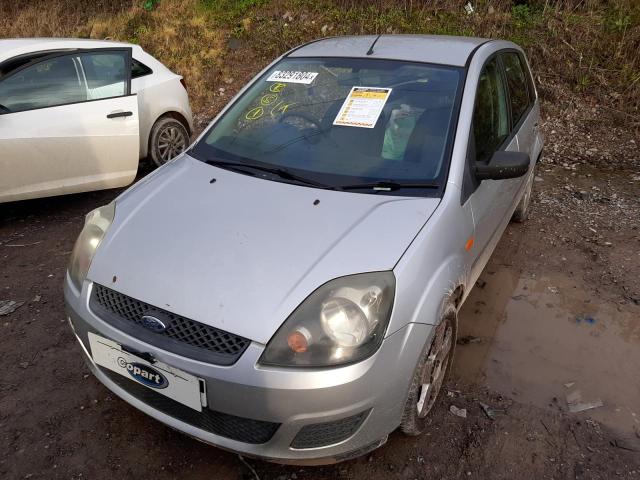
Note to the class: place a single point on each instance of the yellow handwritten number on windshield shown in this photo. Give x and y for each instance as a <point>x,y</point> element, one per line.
<point>254,113</point>
<point>269,98</point>
<point>277,87</point>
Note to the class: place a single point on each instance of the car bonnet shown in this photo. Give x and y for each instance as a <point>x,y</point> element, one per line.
<point>241,253</point>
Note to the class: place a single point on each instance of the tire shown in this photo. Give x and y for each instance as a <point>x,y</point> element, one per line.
<point>432,369</point>
<point>169,137</point>
<point>521,212</point>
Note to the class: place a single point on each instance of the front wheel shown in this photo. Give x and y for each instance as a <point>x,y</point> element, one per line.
<point>168,139</point>
<point>430,374</point>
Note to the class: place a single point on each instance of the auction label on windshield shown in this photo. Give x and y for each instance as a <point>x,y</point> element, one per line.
<point>291,76</point>
<point>362,107</point>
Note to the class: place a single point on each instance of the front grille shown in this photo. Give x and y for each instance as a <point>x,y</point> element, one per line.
<point>244,430</point>
<point>329,433</point>
<point>183,336</point>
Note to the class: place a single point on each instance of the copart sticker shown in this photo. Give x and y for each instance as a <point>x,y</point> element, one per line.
<point>292,76</point>
<point>362,107</point>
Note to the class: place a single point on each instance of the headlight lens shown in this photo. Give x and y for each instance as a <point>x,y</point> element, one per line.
<point>343,321</point>
<point>96,224</point>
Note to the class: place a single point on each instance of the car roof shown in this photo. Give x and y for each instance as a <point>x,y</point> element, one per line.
<point>440,49</point>
<point>13,47</point>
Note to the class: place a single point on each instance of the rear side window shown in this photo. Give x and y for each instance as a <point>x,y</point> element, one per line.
<point>517,85</point>
<point>46,84</point>
<point>490,113</point>
<point>139,69</point>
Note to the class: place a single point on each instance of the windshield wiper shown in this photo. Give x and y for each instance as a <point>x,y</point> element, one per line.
<point>388,186</point>
<point>278,171</point>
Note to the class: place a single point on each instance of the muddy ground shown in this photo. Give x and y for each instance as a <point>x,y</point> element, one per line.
<point>557,311</point>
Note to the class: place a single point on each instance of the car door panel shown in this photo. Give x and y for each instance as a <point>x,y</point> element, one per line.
<point>526,136</point>
<point>524,109</point>
<point>67,149</point>
<point>492,203</point>
<point>491,200</point>
<point>60,135</point>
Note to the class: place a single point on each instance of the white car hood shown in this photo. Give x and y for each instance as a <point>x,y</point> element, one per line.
<point>240,254</point>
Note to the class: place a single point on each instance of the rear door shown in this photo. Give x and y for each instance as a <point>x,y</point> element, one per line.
<point>521,100</point>
<point>68,123</point>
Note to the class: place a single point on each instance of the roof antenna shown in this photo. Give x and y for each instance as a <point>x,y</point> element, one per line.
<point>370,51</point>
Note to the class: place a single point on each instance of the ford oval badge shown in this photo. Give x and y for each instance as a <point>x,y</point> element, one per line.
<point>153,323</point>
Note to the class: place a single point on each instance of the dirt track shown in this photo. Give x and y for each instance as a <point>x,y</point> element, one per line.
<point>576,259</point>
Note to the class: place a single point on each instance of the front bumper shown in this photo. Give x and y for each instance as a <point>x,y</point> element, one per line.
<point>375,389</point>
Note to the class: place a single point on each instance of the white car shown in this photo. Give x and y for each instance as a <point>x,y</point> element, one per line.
<point>77,115</point>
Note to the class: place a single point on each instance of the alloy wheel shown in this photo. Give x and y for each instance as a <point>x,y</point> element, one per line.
<point>171,142</point>
<point>435,369</point>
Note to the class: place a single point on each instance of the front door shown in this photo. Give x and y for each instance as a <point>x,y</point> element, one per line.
<point>68,123</point>
<point>491,200</point>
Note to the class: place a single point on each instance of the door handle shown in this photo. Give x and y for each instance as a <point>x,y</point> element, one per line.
<point>119,114</point>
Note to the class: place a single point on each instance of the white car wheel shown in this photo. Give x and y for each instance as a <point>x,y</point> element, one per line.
<point>168,138</point>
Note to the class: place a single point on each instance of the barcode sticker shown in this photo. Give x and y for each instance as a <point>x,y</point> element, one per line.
<point>292,76</point>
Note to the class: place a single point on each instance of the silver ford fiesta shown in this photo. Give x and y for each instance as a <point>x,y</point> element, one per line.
<point>288,288</point>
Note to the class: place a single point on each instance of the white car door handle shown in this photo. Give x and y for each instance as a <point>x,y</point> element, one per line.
<point>119,114</point>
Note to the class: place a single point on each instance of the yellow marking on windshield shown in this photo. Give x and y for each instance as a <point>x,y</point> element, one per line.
<point>254,113</point>
<point>280,108</point>
<point>268,99</point>
<point>277,87</point>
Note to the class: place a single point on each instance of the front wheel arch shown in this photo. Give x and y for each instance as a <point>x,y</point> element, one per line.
<point>178,116</point>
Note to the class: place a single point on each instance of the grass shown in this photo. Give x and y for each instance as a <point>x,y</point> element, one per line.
<point>589,48</point>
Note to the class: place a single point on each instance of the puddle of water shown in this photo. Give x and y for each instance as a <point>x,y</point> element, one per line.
<point>531,338</point>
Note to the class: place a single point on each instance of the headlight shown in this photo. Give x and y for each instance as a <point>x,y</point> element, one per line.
<point>343,321</point>
<point>96,224</point>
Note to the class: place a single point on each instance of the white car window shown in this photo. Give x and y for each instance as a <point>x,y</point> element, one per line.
<point>64,79</point>
<point>45,84</point>
<point>105,74</point>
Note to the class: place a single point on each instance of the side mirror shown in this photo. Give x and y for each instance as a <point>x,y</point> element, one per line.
<point>503,165</point>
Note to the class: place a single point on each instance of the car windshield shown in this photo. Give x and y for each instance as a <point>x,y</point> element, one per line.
<point>359,124</point>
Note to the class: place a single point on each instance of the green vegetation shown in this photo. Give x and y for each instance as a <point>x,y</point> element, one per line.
<point>585,47</point>
<point>149,4</point>
<point>229,10</point>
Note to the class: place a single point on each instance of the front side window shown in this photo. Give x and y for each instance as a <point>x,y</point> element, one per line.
<point>46,84</point>
<point>517,85</point>
<point>105,73</point>
<point>490,114</point>
<point>343,121</point>
<point>65,79</point>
